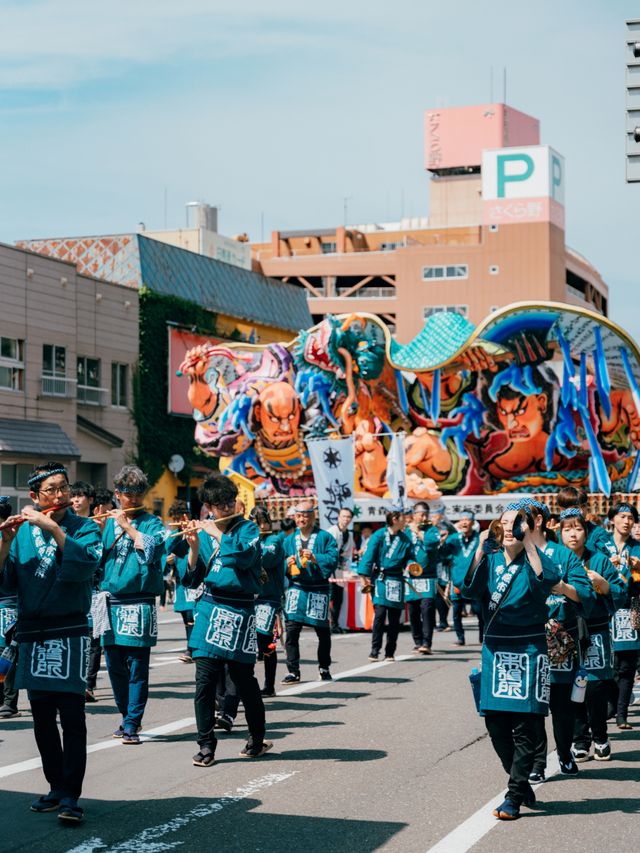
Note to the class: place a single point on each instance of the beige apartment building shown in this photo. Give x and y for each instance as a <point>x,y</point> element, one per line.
<point>494,234</point>
<point>68,347</point>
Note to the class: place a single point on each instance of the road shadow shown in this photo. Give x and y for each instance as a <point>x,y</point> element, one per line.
<point>630,805</point>
<point>192,823</point>
<point>341,755</point>
<point>374,679</point>
<point>278,705</point>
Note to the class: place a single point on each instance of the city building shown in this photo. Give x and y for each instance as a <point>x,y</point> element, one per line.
<point>68,347</point>
<point>494,234</point>
<point>186,298</point>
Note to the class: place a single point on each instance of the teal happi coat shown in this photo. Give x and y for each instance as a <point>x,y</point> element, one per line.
<point>598,658</point>
<point>307,599</point>
<point>564,609</point>
<point>425,550</point>
<point>269,601</point>
<point>457,550</point>
<point>53,589</point>
<point>225,622</point>
<point>599,539</point>
<point>515,664</point>
<point>133,578</point>
<point>184,597</point>
<point>385,561</point>
<point>623,634</point>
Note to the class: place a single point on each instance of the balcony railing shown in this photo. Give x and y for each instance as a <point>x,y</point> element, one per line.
<point>368,293</point>
<point>57,386</point>
<point>91,396</point>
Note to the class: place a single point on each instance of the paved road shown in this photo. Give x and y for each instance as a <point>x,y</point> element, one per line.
<point>390,756</point>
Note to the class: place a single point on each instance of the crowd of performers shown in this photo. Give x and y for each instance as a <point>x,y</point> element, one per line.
<point>80,574</point>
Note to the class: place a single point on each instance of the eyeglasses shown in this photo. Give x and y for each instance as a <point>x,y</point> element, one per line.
<point>56,490</point>
<point>224,504</point>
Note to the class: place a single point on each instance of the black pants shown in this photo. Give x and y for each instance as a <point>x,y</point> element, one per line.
<point>227,695</point>
<point>563,720</point>
<point>209,672</point>
<point>270,659</point>
<point>625,666</point>
<point>382,613</point>
<point>591,716</point>
<point>337,597</point>
<point>476,609</point>
<point>63,762</point>
<point>187,618</point>
<point>457,607</point>
<point>95,656</point>
<point>514,737</point>
<point>8,692</point>
<point>292,646</point>
<point>442,607</point>
<point>422,618</point>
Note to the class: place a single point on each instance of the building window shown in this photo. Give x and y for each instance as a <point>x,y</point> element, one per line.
<point>54,370</point>
<point>494,269</point>
<point>119,384</point>
<point>11,364</point>
<point>89,390</point>
<point>14,476</point>
<point>328,248</point>
<point>390,247</point>
<point>463,310</point>
<point>445,272</point>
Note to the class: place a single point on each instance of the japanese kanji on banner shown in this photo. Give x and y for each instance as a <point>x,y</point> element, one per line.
<point>333,464</point>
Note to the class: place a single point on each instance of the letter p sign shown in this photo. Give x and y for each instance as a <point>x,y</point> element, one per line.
<point>512,168</point>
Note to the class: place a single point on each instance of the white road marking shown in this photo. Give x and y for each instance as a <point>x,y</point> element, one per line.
<point>305,687</point>
<point>468,833</point>
<point>148,841</point>
<point>313,685</point>
<point>34,763</point>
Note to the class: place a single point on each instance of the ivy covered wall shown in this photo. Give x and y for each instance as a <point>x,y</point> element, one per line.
<point>160,434</point>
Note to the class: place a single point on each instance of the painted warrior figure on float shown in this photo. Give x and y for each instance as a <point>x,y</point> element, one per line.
<point>536,397</point>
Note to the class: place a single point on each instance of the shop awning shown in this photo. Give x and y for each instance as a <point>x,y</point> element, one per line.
<point>36,438</point>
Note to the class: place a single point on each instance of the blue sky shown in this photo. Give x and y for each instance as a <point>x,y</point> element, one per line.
<point>277,111</point>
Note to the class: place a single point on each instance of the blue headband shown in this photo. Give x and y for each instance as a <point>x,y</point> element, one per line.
<point>625,508</point>
<point>544,509</point>
<point>572,512</point>
<point>517,505</point>
<point>4,499</point>
<point>43,475</point>
<point>129,490</point>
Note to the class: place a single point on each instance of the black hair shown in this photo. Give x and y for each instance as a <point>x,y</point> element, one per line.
<point>178,508</point>
<point>217,489</point>
<point>393,515</point>
<point>421,506</point>
<point>131,479</point>
<point>570,496</point>
<point>5,509</point>
<point>82,489</point>
<point>103,496</point>
<point>287,525</point>
<point>534,511</point>
<point>41,472</point>
<point>624,506</point>
<point>260,516</point>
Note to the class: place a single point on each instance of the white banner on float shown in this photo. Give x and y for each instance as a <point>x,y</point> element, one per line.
<point>485,507</point>
<point>397,470</point>
<point>333,464</point>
